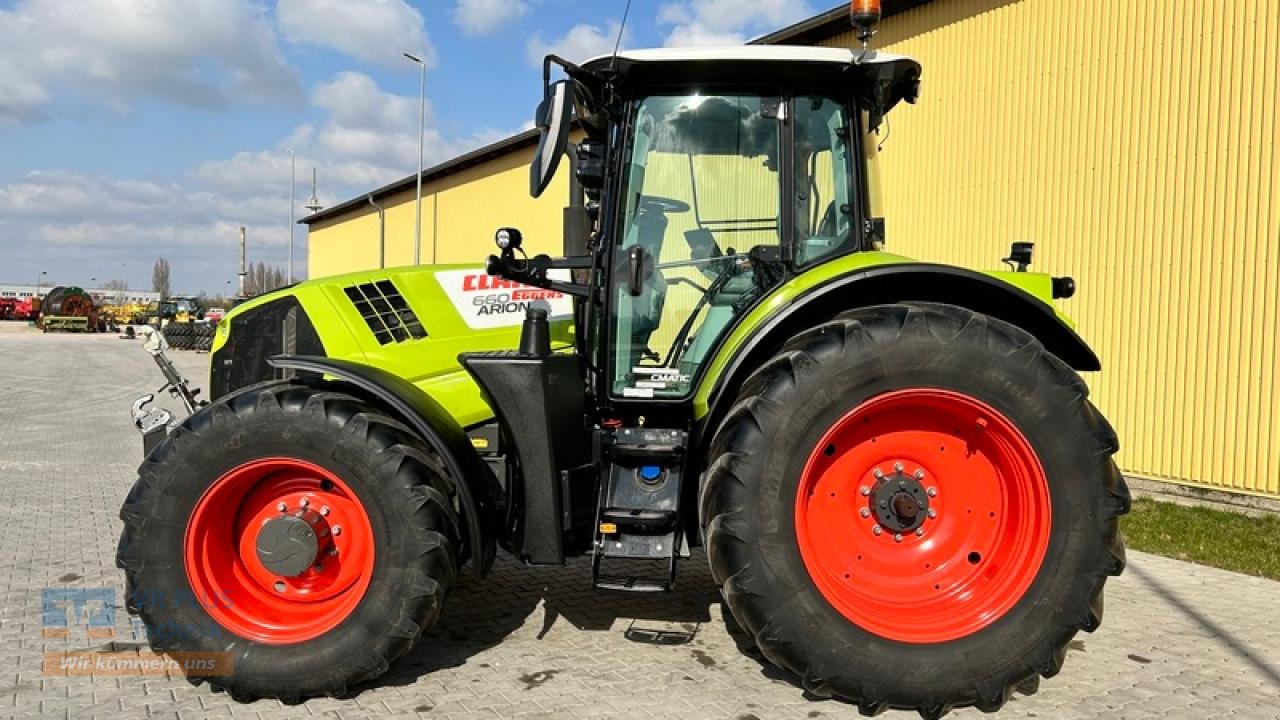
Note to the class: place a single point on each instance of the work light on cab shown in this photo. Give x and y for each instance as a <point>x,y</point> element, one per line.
<point>508,239</point>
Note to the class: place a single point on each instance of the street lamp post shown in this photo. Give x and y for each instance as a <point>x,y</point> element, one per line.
<point>422,125</point>
<point>292,184</point>
<point>39,281</point>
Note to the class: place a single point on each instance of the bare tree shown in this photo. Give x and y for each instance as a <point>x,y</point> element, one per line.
<point>118,287</point>
<point>160,277</point>
<point>259,279</point>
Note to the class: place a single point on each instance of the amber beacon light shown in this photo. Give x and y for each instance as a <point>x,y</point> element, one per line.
<point>864,14</point>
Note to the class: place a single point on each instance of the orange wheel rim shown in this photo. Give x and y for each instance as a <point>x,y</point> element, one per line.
<point>923,515</point>
<point>227,572</point>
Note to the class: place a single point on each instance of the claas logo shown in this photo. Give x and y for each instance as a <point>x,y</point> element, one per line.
<point>503,296</point>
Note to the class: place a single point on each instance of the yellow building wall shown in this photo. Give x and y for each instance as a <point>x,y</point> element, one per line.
<point>460,213</point>
<point>1135,143</point>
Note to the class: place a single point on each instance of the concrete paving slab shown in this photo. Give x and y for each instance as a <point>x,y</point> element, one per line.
<point>1179,640</point>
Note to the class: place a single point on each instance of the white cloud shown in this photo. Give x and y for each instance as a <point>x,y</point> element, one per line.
<point>365,138</point>
<point>484,17</point>
<point>582,42</point>
<point>370,30</point>
<point>201,53</point>
<point>21,98</point>
<point>354,99</point>
<point>727,22</point>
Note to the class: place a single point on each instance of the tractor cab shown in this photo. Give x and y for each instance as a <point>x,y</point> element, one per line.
<point>704,193</point>
<point>708,178</point>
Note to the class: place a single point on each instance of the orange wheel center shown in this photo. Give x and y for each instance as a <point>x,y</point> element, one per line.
<point>923,515</point>
<point>279,551</point>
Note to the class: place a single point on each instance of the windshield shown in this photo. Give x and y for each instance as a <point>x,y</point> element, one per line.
<point>702,222</point>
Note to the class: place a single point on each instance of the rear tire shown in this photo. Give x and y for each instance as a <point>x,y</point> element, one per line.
<point>194,520</point>
<point>787,502</point>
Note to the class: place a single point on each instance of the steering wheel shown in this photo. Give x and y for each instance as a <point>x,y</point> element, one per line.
<point>663,205</point>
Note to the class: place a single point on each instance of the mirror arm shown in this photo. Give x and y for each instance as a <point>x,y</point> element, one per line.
<point>573,70</point>
<point>533,271</point>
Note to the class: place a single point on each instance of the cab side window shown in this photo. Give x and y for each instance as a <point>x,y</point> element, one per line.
<point>823,180</point>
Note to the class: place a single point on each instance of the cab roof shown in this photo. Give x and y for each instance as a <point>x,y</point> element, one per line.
<point>749,53</point>
<point>880,79</point>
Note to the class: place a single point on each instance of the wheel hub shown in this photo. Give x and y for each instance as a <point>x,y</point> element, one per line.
<point>289,545</point>
<point>899,502</point>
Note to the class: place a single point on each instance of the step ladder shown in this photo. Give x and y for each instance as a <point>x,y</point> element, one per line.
<point>639,534</point>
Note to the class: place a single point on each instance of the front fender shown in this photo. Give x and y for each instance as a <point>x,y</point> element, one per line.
<point>476,487</point>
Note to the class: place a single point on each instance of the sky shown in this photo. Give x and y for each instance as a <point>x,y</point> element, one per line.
<point>136,129</point>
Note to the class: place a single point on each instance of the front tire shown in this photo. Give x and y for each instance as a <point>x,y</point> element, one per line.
<point>223,509</point>
<point>882,570</point>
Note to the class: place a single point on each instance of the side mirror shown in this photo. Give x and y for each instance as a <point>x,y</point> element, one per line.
<point>554,113</point>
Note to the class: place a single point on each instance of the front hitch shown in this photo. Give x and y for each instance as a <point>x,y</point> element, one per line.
<point>152,423</point>
<point>155,423</point>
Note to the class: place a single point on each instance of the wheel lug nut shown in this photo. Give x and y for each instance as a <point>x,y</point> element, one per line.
<point>282,507</point>
<point>933,513</point>
<point>876,530</point>
<point>333,551</point>
<point>279,586</point>
<point>304,502</point>
<point>897,537</point>
<point>919,532</point>
<point>865,512</point>
<point>877,473</point>
<point>319,567</point>
<point>897,467</point>
<point>865,490</point>
<point>337,529</point>
<point>325,511</point>
<point>933,491</point>
<point>919,474</point>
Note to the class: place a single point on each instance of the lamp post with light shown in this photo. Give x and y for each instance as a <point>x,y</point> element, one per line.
<point>422,124</point>
<point>292,184</point>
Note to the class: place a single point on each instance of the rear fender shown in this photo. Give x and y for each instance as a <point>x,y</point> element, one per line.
<point>884,284</point>
<point>477,489</point>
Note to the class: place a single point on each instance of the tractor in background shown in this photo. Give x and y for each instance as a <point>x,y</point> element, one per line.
<point>903,492</point>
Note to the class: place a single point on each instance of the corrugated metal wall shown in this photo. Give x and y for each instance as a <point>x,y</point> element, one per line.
<point>1135,143</point>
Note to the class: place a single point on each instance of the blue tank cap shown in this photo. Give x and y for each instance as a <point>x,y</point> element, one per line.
<point>650,472</point>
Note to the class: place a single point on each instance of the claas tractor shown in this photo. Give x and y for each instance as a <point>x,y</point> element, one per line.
<point>893,468</point>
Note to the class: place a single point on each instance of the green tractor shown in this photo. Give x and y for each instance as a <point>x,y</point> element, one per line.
<point>903,492</point>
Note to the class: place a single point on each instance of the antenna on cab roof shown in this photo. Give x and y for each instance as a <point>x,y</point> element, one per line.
<point>618,42</point>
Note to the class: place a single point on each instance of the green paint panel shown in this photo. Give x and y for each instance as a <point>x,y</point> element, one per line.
<point>435,295</point>
<point>463,310</point>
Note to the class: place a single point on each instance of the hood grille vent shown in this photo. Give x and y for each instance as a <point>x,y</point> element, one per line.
<point>385,312</point>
